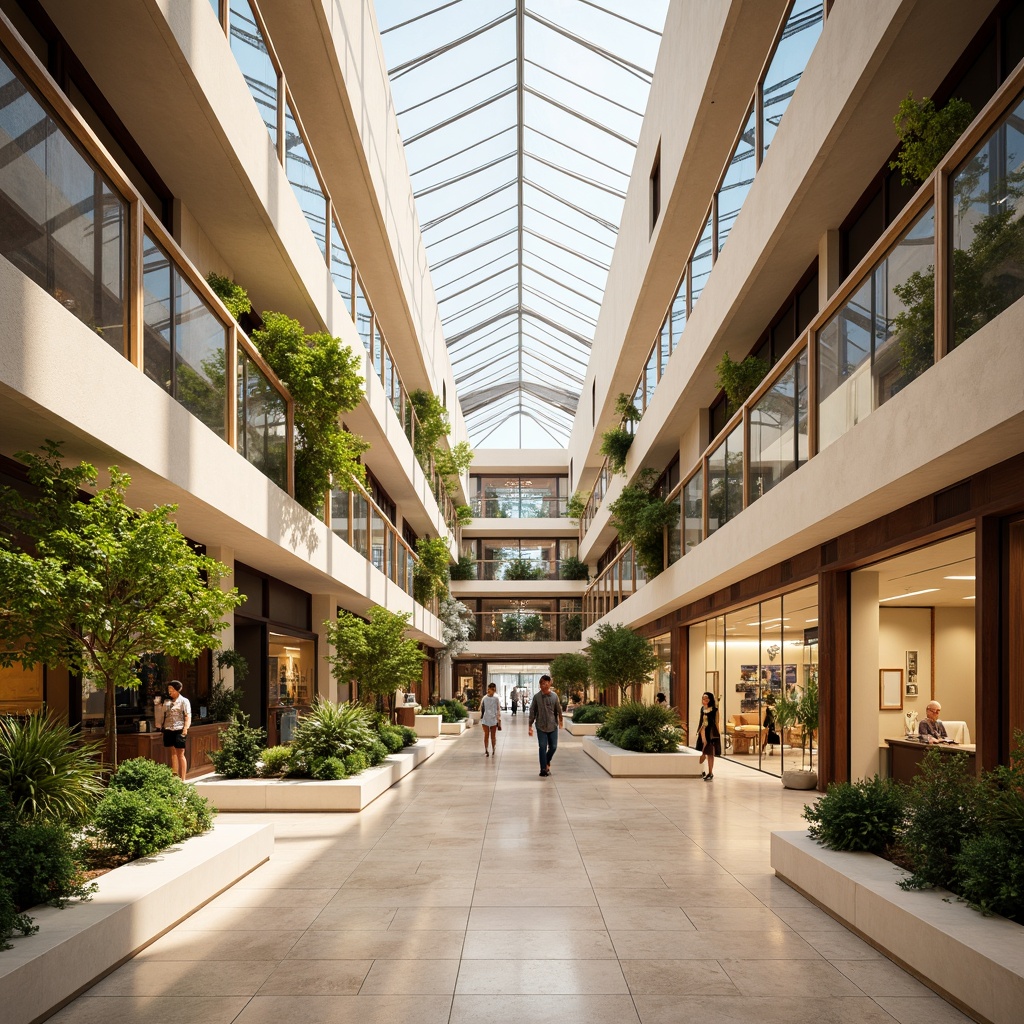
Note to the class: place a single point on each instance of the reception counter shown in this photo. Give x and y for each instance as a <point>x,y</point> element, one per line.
<point>200,740</point>
<point>904,756</point>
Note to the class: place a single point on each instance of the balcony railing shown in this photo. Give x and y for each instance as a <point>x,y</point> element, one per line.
<point>77,227</point>
<point>498,568</point>
<point>514,627</point>
<point>518,507</point>
<point>916,295</point>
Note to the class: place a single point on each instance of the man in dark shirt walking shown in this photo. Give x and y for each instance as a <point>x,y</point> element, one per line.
<point>546,712</point>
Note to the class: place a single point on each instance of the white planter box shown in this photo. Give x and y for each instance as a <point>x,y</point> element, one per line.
<point>975,962</point>
<point>453,728</point>
<point>135,904</point>
<point>428,726</point>
<point>474,716</point>
<point>627,764</point>
<point>308,795</point>
<point>582,729</point>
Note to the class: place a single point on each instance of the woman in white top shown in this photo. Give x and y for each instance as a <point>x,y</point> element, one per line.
<point>177,719</point>
<point>490,718</point>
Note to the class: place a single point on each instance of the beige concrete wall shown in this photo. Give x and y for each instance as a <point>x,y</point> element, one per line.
<point>901,630</point>
<point>954,665</point>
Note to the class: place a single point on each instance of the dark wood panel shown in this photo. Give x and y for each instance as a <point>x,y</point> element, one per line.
<point>905,757</point>
<point>833,677</point>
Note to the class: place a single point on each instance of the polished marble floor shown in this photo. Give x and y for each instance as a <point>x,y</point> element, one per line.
<point>476,892</point>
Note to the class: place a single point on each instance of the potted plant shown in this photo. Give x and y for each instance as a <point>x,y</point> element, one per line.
<point>616,441</point>
<point>794,708</point>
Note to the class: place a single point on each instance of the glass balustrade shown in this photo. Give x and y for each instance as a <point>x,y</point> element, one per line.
<point>262,418</point>
<point>778,429</point>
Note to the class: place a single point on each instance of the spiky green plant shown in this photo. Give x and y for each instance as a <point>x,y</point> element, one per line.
<point>46,771</point>
<point>332,730</point>
<point>646,728</point>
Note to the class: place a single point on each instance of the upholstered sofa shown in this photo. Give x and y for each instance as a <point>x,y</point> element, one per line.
<point>745,732</point>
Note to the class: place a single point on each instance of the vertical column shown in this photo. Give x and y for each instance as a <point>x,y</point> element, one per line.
<point>834,677</point>
<point>1015,630</point>
<point>444,678</point>
<point>863,688</point>
<point>325,609</point>
<point>989,666</point>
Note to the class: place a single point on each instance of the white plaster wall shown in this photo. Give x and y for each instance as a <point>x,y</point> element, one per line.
<point>901,630</point>
<point>955,632</point>
<point>864,653</point>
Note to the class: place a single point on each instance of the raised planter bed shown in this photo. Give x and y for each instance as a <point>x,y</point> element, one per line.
<point>582,728</point>
<point>308,795</point>
<point>975,962</point>
<point>453,728</point>
<point>428,726</point>
<point>75,947</point>
<point>627,764</point>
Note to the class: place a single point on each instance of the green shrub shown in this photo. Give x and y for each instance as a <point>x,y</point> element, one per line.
<point>376,752</point>
<point>523,569</point>
<point>587,714</point>
<point>431,709</point>
<point>140,773</point>
<point>241,748</point>
<point>942,813</point>
<point>10,920</point>
<point>328,769</point>
<point>275,761</point>
<point>409,736</point>
<point>865,815</point>
<point>391,737</point>
<point>927,134</point>
<point>572,568</point>
<point>453,710</point>
<point>356,762</point>
<point>224,704</point>
<point>332,730</point>
<point>615,445</point>
<point>46,772</point>
<point>647,728</point>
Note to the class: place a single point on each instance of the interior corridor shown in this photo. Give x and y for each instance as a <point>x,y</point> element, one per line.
<point>475,891</point>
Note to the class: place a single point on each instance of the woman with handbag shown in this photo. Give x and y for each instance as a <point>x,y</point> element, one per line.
<point>490,718</point>
<point>709,739</point>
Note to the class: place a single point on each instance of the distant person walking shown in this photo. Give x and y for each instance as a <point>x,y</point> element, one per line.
<point>514,698</point>
<point>709,739</point>
<point>546,711</point>
<point>490,718</point>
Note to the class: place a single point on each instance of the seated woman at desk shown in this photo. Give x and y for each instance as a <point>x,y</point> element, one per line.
<point>931,730</point>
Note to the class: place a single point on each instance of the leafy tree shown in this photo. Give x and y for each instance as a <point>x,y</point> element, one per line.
<point>641,516</point>
<point>740,380</point>
<point>570,673</point>
<point>322,376</point>
<point>926,135</point>
<point>576,506</point>
<point>232,294</point>
<point>375,653</point>
<point>433,424</point>
<point>619,657</point>
<point>96,584</point>
<point>430,573</point>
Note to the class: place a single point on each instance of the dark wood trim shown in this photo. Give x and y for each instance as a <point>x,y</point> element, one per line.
<point>834,677</point>
<point>1013,633</point>
<point>989,712</point>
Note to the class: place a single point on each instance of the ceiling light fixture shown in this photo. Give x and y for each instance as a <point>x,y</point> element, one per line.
<point>959,577</point>
<point>913,593</point>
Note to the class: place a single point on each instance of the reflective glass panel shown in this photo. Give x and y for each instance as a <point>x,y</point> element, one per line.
<point>665,342</point>
<point>844,355</point>
<point>650,376</point>
<point>675,531</point>
<point>340,519</point>
<point>200,341</point>
<point>304,181</point>
<point>250,51</point>
<point>360,524</point>
<point>988,199</point>
<point>678,314</point>
<point>725,480</point>
<point>262,421</point>
<point>60,222</point>
<point>364,316</point>
<point>778,429</point>
<point>700,263</point>
<point>738,178</point>
<point>341,270</point>
<point>693,511</point>
<point>157,313</point>
<point>800,33</point>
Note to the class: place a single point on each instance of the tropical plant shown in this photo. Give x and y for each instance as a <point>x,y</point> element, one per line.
<point>241,748</point>
<point>430,573</point>
<point>646,728</point>
<point>807,715</point>
<point>570,672</point>
<point>573,568</point>
<point>46,771</point>
<point>322,377</point>
<point>641,515</point>
<point>865,815</point>
<point>926,134</point>
<point>576,506</point>
<point>94,585</point>
<point>232,294</point>
<point>464,569</point>
<point>619,657</point>
<point>740,379</point>
<point>329,730</point>
<point>523,569</point>
<point>374,652</point>
<point>590,714</point>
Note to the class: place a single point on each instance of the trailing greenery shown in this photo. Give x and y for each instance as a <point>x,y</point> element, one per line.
<point>576,506</point>
<point>619,657</point>
<point>865,815</point>
<point>926,134</point>
<point>464,569</point>
<point>233,295</point>
<point>740,380</point>
<point>375,653</point>
<point>589,714</point>
<point>46,771</point>
<point>433,425</point>
<point>430,573</point>
<point>641,517</point>
<point>572,568</point>
<point>453,710</point>
<point>241,748</point>
<point>148,808</point>
<point>322,376</point>
<point>647,728</point>
<point>523,569</point>
<point>225,702</point>
<point>95,585</point>
<point>570,673</point>
<point>616,441</point>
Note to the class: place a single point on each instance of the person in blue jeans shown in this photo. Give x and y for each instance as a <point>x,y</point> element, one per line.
<point>546,711</point>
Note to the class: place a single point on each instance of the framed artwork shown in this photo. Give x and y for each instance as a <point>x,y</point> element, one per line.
<point>911,673</point>
<point>890,689</point>
<point>911,690</point>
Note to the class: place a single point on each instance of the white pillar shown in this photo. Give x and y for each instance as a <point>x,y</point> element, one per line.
<point>325,609</point>
<point>444,678</point>
<point>864,728</point>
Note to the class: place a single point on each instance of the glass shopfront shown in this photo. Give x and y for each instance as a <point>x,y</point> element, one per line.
<point>757,660</point>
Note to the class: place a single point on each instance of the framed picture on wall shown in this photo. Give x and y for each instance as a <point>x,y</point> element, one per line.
<point>890,689</point>
<point>911,690</point>
<point>911,673</point>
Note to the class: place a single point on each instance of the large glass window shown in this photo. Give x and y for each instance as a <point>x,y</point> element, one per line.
<point>693,511</point>
<point>778,429</point>
<point>61,224</point>
<point>678,314</point>
<point>739,176</point>
<point>882,338</point>
<point>185,343</point>
<point>341,269</point>
<point>988,258</point>
<point>262,421</point>
<point>700,263</point>
<point>725,480</point>
<point>533,497</point>
<point>304,181</point>
<point>364,316</point>
<point>252,54</point>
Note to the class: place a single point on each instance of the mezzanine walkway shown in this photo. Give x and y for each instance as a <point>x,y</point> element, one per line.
<point>476,892</point>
